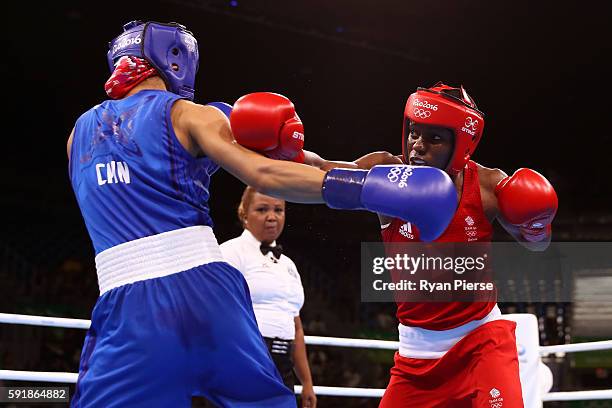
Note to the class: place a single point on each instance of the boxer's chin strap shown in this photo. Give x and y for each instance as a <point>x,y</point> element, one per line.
<point>129,72</point>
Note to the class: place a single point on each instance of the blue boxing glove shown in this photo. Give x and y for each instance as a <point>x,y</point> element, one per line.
<point>423,195</point>
<point>226,108</point>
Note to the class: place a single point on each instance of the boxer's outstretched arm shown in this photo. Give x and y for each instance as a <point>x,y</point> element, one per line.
<point>205,130</point>
<point>365,162</point>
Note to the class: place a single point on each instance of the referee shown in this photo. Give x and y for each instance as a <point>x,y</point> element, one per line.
<point>275,286</point>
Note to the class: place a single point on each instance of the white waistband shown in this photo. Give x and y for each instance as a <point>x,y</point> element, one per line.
<point>156,256</point>
<point>416,342</point>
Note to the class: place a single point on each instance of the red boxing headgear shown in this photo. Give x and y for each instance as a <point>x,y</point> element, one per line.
<point>448,107</point>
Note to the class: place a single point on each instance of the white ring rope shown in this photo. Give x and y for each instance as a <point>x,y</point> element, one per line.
<point>576,347</point>
<point>311,340</point>
<point>38,376</point>
<point>578,395</point>
<point>44,321</point>
<point>358,343</point>
<point>319,390</point>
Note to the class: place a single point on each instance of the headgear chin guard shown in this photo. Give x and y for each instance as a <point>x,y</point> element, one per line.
<point>170,48</point>
<point>448,107</point>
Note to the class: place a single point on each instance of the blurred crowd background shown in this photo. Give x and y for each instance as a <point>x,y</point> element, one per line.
<point>535,69</point>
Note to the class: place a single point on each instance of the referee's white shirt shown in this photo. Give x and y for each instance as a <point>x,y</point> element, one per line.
<point>276,287</point>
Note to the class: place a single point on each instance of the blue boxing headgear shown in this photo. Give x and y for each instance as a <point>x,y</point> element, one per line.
<point>170,48</point>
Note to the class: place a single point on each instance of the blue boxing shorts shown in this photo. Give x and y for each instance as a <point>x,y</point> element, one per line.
<point>160,336</point>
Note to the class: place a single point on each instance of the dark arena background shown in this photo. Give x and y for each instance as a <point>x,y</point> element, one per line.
<point>537,70</point>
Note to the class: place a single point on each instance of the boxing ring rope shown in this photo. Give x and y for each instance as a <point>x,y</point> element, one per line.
<point>310,340</point>
<point>58,377</point>
<point>45,321</point>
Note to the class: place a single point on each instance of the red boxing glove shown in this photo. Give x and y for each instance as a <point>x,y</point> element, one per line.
<point>267,123</point>
<point>528,200</point>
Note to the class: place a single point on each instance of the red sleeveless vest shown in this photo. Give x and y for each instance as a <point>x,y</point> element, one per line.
<point>469,224</point>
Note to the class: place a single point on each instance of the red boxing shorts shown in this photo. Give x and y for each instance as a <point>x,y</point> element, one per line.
<point>479,371</point>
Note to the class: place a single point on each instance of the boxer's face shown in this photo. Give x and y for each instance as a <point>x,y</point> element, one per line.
<point>265,217</point>
<point>429,145</point>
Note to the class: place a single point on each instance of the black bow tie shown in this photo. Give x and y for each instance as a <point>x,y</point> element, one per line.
<point>276,250</point>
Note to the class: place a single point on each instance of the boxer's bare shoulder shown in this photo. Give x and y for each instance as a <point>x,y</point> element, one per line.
<point>187,116</point>
<point>489,177</point>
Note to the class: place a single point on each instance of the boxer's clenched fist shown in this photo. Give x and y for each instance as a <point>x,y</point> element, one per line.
<point>528,200</point>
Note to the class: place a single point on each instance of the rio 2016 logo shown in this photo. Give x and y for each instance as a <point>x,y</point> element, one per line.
<point>424,104</point>
<point>400,174</point>
<point>126,42</point>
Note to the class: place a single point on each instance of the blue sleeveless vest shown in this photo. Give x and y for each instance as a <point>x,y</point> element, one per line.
<point>131,176</point>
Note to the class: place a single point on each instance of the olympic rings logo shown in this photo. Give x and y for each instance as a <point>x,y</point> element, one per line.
<point>471,123</point>
<point>422,113</point>
<point>394,174</point>
<point>400,174</point>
